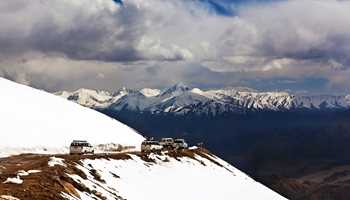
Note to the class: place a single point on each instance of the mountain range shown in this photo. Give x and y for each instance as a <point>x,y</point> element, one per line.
<point>181,100</point>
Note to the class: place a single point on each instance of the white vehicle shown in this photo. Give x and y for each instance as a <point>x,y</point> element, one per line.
<point>81,147</point>
<point>180,144</point>
<point>167,142</point>
<point>150,146</point>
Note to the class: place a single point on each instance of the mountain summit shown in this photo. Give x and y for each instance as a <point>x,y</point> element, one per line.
<point>177,89</point>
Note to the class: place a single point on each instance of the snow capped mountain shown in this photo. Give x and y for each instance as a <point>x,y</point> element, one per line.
<point>181,99</point>
<point>175,90</point>
<point>33,121</point>
<point>36,121</point>
<point>93,98</point>
<point>89,98</point>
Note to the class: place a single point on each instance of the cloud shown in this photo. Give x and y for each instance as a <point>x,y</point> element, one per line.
<point>95,30</point>
<point>76,29</point>
<point>59,43</point>
<point>302,29</point>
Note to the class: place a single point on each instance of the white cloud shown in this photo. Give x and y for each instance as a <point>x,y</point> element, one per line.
<point>280,39</point>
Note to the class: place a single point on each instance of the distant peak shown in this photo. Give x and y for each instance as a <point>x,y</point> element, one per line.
<point>123,89</point>
<point>176,89</point>
<point>148,92</point>
<point>179,86</point>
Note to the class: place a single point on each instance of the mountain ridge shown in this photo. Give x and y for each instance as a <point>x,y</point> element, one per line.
<point>181,99</point>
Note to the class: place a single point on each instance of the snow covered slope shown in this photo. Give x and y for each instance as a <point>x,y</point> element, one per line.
<point>172,178</point>
<point>36,121</point>
<point>181,99</point>
<point>192,174</point>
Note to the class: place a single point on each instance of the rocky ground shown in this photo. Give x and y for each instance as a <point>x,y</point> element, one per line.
<point>47,182</point>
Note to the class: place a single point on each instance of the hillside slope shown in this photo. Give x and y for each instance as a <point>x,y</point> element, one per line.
<point>186,175</point>
<point>34,121</point>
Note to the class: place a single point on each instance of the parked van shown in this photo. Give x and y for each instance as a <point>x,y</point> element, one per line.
<point>150,146</point>
<point>167,142</point>
<point>81,147</point>
<point>180,144</point>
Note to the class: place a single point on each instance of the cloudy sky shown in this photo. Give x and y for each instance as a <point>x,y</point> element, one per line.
<point>296,45</point>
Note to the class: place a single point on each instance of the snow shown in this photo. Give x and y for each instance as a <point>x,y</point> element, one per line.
<point>34,121</point>
<point>169,178</point>
<point>16,180</point>
<point>175,90</point>
<point>27,173</point>
<point>8,197</point>
<point>148,92</point>
<point>197,91</point>
<point>33,171</point>
<point>22,173</point>
<point>89,98</point>
<point>56,161</point>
